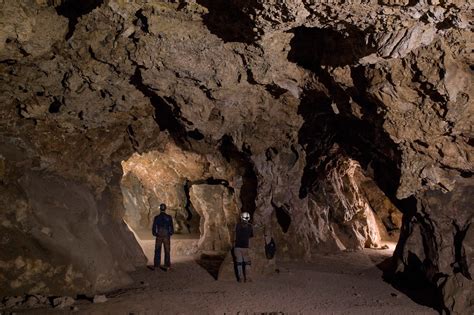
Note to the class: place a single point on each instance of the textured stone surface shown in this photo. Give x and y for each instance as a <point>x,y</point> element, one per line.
<point>451,240</point>
<point>168,177</point>
<point>337,216</point>
<point>260,90</point>
<point>159,177</point>
<point>219,214</point>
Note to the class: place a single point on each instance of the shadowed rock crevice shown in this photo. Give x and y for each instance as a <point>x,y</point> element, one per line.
<point>283,217</point>
<point>167,114</point>
<point>245,167</point>
<point>314,47</point>
<point>142,21</point>
<point>227,21</point>
<point>461,265</point>
<point>415,285</point>
<point>73,10</point>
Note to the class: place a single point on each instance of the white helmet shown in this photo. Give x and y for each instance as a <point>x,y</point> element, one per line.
<point>245,216</point>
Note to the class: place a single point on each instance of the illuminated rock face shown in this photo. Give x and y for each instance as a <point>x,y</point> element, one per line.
<point>218,209</point>
<point>253,93</point>
<point>159,177</point>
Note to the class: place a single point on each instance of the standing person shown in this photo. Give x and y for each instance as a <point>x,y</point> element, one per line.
<point>162,229</point>
<point>243,233</point>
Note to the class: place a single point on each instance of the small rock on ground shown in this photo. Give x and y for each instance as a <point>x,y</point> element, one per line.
<point>63,301</point>
<point>99,299</point>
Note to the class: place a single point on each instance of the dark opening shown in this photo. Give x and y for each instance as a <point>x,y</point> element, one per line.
<point>275,90</point>
<point>227,21</point>
<point>244,165</point>
<point>283,218</point>
<point>142,21</point>
<point>461,260</point>
<point>73,10</point>
<point>195,134</point>
<point>187,206</point>
<point>313,47</point>
<point>55,106</point>
<point>363,140</point>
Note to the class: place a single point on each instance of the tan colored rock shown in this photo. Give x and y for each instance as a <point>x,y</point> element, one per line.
<point>218,213</point>
<point>28,30</point>
<point>457,294</point>
<point>389,217</point>
<point>63,302</point>
<point>160,177</point>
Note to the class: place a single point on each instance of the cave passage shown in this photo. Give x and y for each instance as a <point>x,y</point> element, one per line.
<point>204,207</point>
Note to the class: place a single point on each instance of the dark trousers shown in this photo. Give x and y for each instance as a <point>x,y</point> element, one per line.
<point>165,241</point>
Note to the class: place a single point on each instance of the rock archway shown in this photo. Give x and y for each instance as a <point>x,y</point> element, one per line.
<point>201,193</point>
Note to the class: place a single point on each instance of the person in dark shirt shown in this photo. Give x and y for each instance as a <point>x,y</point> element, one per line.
<point>162,229</point>
<point>243,233</point>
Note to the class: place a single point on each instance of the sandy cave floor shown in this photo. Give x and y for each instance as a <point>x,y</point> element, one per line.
<point>344,283</point>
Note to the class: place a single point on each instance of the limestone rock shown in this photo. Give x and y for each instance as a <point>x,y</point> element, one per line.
<point>338,215</point>
<point>12,301</point>
<point>99,299</point>
<point>27,30</point>
<point>219,215</point>
<point>165,177</point>
<point>457,294</point>
<point>36,300</point>
<point>63,302</point>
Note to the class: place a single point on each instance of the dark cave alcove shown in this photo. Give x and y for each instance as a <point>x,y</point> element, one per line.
<point>283,217</point>
<point>243,163</point>
<point>227,21</point>
<point>73,10</point>
<point>313,47</point>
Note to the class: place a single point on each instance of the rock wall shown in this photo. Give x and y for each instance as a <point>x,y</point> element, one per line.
<point>443,252</point>
<point>337,215</point>
<point>267,87</point>
<point>168,177</point>
<point>159,177</point>
<point>219,214</point>
<point>64,240</point>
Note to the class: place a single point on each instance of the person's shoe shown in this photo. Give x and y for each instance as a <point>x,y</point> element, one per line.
<point>248,279</point>
<point>152,268</point>
<point>240,280</point>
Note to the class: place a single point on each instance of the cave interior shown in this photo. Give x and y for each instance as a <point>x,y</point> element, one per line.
<point>341,133</point>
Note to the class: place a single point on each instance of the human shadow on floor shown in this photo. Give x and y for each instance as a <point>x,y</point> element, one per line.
<point>211,263</point>
<point>412,283</point>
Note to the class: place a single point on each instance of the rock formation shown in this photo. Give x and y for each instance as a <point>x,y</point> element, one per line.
<point>322,119</point>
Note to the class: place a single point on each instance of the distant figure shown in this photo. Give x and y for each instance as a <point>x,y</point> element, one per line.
<point>243,233</point>
<point>162,229</point>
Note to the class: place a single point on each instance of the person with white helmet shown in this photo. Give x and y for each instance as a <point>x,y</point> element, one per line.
<point>243,233</point>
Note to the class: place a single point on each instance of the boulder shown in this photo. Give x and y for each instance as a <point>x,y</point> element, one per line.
<point>63,302</point>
